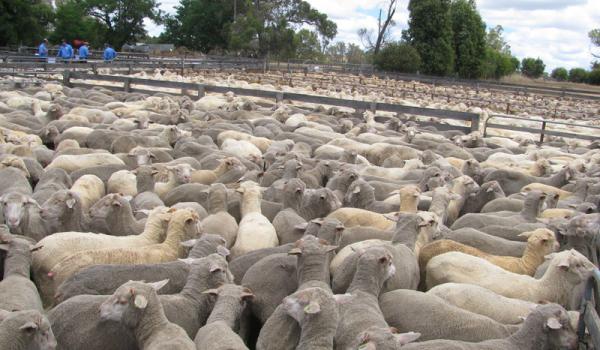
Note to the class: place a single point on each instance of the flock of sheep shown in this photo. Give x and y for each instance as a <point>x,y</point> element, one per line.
<point>158,222</point>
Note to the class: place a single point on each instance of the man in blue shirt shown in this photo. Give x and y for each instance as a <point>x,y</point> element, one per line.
<point>84,52</point>
<point>109,53</point>
<point>65,51</point>
<point>43,49</point>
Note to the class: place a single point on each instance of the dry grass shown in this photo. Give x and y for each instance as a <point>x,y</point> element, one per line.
<point>519,79</point>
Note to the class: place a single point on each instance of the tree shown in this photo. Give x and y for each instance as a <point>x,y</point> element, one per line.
<point>594,77</point>
<point>496,64</point>
<point>200,24</point>
<point>308,45</point>
<point>430,32</point>
<point>383,26</point>
<point>336,52</point>
<point>495,40</point>
<point>560,74</point>
<point>124,19</point>
<point>24,21</point>
<point>594,35</point>
<point>578,75</point>
<point>532,67</point>
<point>71,22</point>
<point>398,57</point>
<point>355,54</point>
<point>468,38</point>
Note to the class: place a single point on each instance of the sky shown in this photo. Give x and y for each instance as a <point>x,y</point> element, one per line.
<point>554,30</point>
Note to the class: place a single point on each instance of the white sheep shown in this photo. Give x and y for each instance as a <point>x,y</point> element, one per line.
<point>70,163</point>
<point>90,189</point>
<point>122,181</point>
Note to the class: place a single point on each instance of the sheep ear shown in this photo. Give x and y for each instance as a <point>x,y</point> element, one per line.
<point>406,338</point>
<point>312,308</point>
<point>128,198</point>
<point>525,234</point>
<point>140,301</point>
<point>214,292</point>
<point>224,252</point>
<point>214,267</point>
<point>188,261</point>
<point>392,217</point>
<point>247,294</point>
<point>29,327</point>
<point>158,285</point>
<point>356,190</point>
<point>116,203</point>
<point>295,251</point>
<point>343,298</point>
<point>190,243</point>
<point>553,323</point>
<point>4,247</point>
<point>331,248</point>
<point>301,227</point>
<point>70,203</point>
<point>4,314</point>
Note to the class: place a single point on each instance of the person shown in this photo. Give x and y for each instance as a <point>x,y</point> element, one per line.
<point>43,49</point>
<point>109,53</point>
<point>65,51</point>
<point>84,52</point>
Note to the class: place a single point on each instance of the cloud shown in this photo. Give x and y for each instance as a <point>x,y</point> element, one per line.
<point>554,30</point>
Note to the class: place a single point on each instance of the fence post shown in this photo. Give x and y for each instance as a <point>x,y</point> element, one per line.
<point>507,107</point>
<point>279,97</point>
<point>475,123</point>
<point>201,91</point>
<point>67,78</point>
<point>542,132</point>
<point>127,85</point>
<point>373,107</point>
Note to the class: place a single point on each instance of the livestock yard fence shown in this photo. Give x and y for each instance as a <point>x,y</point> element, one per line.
<point>197,91</point>
<point>589,311</point>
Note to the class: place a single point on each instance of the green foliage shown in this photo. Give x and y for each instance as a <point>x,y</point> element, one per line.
<point>594,77</point>
<point>124,19</point>
<point>560,74</point>
<point>468,38</point>
<point>308,45</point>
<point>495,40</point>
<point>342,52</point>
<point>594,35</point>
<point>355,54</point>
<point>430,32</point>
<point>24,21</point>
<point>578,75</point>
<point>532,67</point>
<point>496,64</point>
<point>199,24</point>
<point>71,22</point>
<point>398,57</point>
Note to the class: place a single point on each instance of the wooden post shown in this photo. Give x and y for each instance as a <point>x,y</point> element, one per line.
<point>542,132</point>
<point>475,123</point>
<point>127,85</point>
<point>373,107</point>
<point>67,78</point>
<point>507,107</point>
<point>201,91</point>
<point>279,97</point>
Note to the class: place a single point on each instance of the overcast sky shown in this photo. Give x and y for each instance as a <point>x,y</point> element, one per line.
<point>554,30</point>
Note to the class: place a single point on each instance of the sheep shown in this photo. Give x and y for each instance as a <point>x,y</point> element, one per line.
<point>105,279</point>
<point>103,172</point>
<point>61,245</point>
<point>486,242</point>
<point>52,181</point>
<point>540,243</point>
<point>546,327</point>
<point>361,309</point>
<point>287,221</point>
<point>123,182</point>
<point>567,269</point>
<point>242,149</point>
<point>351,217</point>
<point>114,211</point>
<point>487,303</point>
<point>487,192</point>
<point>440,200</point>
<point>77,162</point>
<point>255,231</point>
<point>63,211</point>
<point>183,226</point>
<point>219,333</point>
<point>22,215</point>
<point>27,329</point>
<point>178,174</point>
<point>90,189</point>
<point>361,195</point>
<point>409,198</point>
<point>464,187</point>
<point>319,175</point>
<point>17,292</point>
<point>208,177</point>
<point>433,318</point>
<point>318,203</point>
<point>143,312</point>
<point>219,221</point>
<point>260,142</point>
<point>13,180</point>
<point>512,181</point>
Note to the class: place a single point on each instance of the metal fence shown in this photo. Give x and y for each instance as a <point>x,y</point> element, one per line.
<point>130,84</point>
<point>544,129</point>
<point>589,311</point>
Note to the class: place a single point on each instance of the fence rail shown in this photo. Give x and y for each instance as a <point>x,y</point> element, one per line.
<point>130,84</point>
<point>543,130</point>
<point>589,311</point>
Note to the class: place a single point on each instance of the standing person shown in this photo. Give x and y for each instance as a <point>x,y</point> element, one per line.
<point>109,53</point>
<point>43,49</point>
<point>84,52</point>
<point>65,51</point>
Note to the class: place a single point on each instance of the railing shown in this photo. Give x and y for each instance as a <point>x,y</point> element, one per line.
<point>543,130</point>
<point>589,311</point>
<point>199,90</point>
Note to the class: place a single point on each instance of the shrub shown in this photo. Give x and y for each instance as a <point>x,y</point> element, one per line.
<point>578,75</point>
<point>560,74</point>
<point>398,57</point>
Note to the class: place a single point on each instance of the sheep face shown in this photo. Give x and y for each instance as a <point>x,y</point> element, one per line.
<point>129,301</point>
<point>574,265</point>
<point>34,329</point>
<point>556,325</point>
<point>182,173</point>
<point>107,205</point>
<point>379,338</point>
<point>142,156</point>
<point>59,204</point>
<point>305,304</point>
<point>14,206</point>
